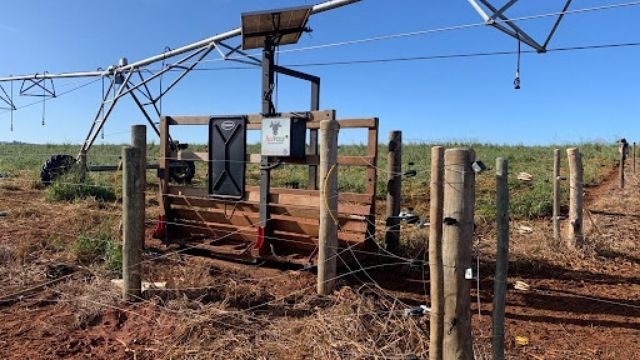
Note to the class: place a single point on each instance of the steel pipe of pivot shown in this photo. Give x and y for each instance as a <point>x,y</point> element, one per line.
<point>316,9</point>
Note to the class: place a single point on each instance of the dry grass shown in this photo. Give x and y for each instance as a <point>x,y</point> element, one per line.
<point>348,324</point>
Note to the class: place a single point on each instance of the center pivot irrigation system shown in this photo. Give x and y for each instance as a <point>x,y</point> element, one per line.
<point>134,79</point>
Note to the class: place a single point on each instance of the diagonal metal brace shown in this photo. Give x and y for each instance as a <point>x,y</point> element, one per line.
<point>500,21</point>
<point>7,100</point>
<point>515,31</point>
<point>48,88</point>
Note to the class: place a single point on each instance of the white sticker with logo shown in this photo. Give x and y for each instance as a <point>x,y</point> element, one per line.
<point>275,136</point>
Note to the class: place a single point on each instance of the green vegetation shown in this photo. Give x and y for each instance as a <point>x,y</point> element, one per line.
<point>103,247</point>
<point>69,188</point>
<point>528,200</point>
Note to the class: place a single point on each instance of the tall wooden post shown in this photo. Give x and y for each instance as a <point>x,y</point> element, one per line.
<point>328,233</point>
<point>556,196</point>
<point>394,187</point>
<point>83,165</point>
<point>623,158</point>
<point>502,257</point>
<point>634,157</point>
<point>436,333</point>
<point>459,202</point>
<point>133,182</point>
<point>139,141</point>
<point>576,197</point>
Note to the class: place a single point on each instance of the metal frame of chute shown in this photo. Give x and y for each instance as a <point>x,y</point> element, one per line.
<point>122,81</point>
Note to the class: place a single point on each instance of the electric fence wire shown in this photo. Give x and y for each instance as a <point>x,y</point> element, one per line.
<point>593,299</point>
<point>435,30</point>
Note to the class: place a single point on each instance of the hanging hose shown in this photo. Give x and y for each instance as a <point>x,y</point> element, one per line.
<point>44,101</point>
<point>102,110</point>
<point>166,49</point>
<point>516,81</point>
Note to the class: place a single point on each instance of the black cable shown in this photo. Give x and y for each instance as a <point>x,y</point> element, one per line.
<point>401,59</point>
<point>435,57</point>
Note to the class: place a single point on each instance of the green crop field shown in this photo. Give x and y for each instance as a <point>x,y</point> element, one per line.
<point>528,199</point>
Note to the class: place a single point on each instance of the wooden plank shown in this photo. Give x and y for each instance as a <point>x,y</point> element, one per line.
<point>244,233</point>
<point>311,116</point>
<point>308,160</point>
<point>301,241</point>
<point>372,176</point>
<point>251,220</point>
<point>347,223</point>
<point>255,120</point>
<point>371,123</point>
<point>217,232</point>
<point>348,124</point>
<point>299,211</point>
<point>188,120</point>
<point>279,196</point>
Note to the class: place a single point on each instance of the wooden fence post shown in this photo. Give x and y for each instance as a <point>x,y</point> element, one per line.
<point>139,141</point>
<point>634,157</point>
<point>576,197</point>
<point>459,202</point>
<point>133,181</point>
<point>556,196</point>
<point>623,158</point>
<point>394,187</point>
<point>436,332</point>
<point>328,233</point>
<point>83,165</point>
<point>502,257</point>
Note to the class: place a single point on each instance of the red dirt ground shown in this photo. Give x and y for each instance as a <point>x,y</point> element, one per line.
<point>582,305</point>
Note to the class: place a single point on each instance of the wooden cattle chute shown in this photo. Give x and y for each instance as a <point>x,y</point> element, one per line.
<point>230,228</point>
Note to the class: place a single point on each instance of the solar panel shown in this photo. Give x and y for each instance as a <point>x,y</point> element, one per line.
<point>285,24</point>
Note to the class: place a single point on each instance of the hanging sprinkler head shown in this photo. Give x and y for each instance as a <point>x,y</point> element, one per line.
<point>516,81</point>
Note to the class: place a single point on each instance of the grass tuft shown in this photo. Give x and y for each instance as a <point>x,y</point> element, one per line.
<point>102,248</point>
<point>70,188</point>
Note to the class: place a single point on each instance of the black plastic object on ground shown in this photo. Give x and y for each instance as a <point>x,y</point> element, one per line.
<point>55,167</point>
<point>227,157</point>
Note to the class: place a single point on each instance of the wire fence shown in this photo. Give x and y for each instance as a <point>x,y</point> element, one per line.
<point>358,272</point>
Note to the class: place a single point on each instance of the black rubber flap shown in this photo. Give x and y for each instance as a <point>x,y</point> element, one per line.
<point>227,157</point>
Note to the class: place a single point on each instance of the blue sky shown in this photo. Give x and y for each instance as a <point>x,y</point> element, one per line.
<point>566,97</point>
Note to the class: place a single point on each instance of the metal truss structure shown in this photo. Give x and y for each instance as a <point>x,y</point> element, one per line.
<point>134,79</point>
<point>497,18</point>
